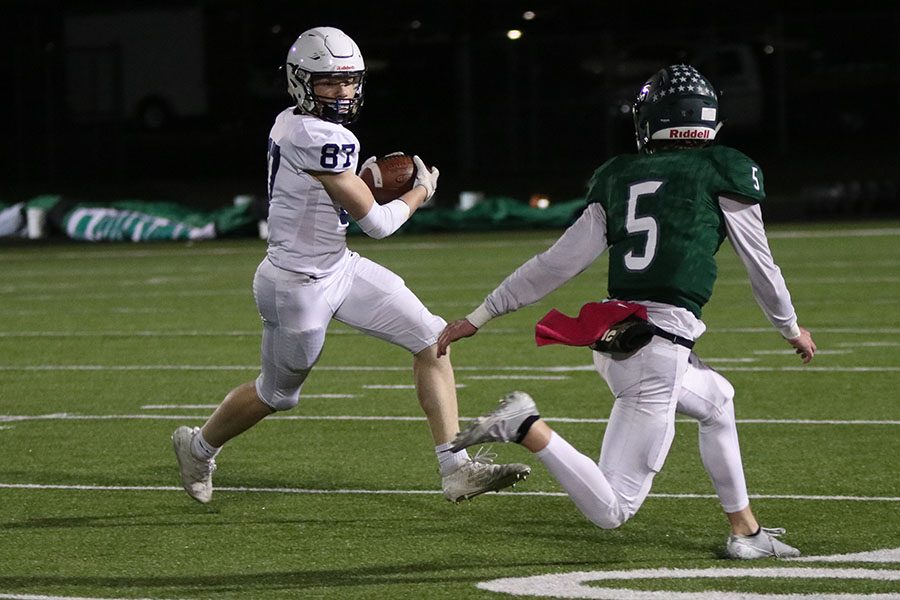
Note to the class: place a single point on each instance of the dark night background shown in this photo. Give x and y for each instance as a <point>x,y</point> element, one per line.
<point>174,100</point>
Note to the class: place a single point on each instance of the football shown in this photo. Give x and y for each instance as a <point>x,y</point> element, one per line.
<point>390,176</point>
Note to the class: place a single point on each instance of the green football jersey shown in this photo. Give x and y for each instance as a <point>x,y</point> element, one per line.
<point>663,221</point>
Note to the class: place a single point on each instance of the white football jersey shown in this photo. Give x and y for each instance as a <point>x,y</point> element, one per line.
<point>307,229</point>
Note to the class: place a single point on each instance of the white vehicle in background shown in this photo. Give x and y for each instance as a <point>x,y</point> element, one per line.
<point>145,66</point>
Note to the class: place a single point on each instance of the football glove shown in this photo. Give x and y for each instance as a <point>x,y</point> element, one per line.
<point>373,159</point>
<point>426,177</point>
<point>366,164</point>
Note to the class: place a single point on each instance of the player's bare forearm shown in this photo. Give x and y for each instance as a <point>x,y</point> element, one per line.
<point>455,330</point>
<point>804,345</point>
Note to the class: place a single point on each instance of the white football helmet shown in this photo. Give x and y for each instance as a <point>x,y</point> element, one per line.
<point>325,51</point>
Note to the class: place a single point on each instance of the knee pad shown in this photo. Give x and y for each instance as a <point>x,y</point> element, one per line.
<point>723,404</point>
<point>287,358</point>
<point>609,519</point>
<point>727,389</point>
<point>282,402</point>
<point>277,398</point>
<point>723,416</point>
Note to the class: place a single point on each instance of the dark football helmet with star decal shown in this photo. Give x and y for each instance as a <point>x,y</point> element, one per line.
<point>678,105</point>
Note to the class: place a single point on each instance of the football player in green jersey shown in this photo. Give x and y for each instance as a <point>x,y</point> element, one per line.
<point>662,214</point>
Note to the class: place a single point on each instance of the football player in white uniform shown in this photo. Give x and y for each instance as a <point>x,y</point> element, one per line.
<point>309,276</point>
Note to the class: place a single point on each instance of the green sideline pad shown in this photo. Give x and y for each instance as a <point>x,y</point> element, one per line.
<point>142,221</point>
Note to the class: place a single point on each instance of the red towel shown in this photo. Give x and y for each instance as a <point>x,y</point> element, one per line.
<point>594,319</point>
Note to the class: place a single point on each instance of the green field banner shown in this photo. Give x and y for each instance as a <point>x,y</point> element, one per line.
<point>140,221</point>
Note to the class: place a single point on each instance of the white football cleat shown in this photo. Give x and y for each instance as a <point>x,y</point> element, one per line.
<point>479,475</point>
<point>196,474</point>
<point>500,425</point>
<point>764,544</point>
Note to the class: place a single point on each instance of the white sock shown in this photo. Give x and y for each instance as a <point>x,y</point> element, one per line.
<point>449,461</point>
<point>202,449</point>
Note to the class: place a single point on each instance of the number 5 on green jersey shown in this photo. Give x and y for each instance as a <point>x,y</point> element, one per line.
<point>646,224</point>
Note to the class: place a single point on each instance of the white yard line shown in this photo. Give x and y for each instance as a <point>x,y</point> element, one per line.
<point>90,254</point>
<point>348,331</point>
<point>63,416</point>
<point>583,584</point>
<point>58,291</point>
<point>179,406</point>
<point>191,251</point>
<point>40,597</point>
<point>856,330</point>
<point>888,555</point>
<point>837,233</point>
<point>140,295</point>
<point>180,333</point>
<point>808,369</point>
<point>816,280</point>
<point>163,334</point>
<point>518,377</point>
<point>312,491</point>
<point>390,387</point>
<point>195,250</point>
<point>792,351</point>
<point>729,360</point>
<point>360,368</point>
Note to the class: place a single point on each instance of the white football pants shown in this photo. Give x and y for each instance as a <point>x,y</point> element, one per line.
<point>296,311</point>
<point>650,387</point>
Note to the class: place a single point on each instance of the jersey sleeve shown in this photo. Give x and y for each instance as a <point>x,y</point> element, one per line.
<point>748,237</point>
<point>324,146</point>
<point>740,176</point>
<point>573,252</point>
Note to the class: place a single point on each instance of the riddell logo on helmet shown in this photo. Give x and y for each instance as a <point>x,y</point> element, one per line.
<point>689,134</point>
<point>346,68</point>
